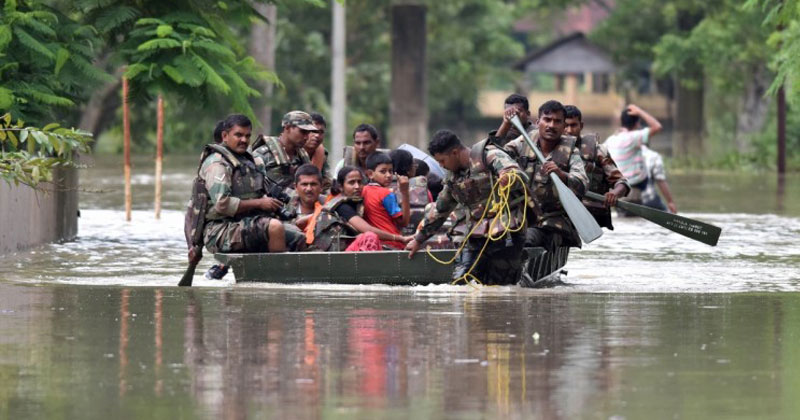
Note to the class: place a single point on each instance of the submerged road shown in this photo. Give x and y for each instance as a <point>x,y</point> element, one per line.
<point>649,325</point>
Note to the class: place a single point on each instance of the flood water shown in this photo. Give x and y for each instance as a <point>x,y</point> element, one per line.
<point>649,325</point>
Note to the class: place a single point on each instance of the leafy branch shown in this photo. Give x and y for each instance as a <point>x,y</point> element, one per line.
<point>29,155</point>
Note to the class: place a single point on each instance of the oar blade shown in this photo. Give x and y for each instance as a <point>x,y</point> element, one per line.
<point>690,228</point>
<point>584,222</point>
<point>188,275</point>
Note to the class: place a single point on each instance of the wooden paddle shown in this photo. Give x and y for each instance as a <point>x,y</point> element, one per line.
<point>584,222</point>
<point>690,228</point>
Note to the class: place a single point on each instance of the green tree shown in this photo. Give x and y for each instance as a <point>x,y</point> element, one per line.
<point>469,45</point>
<point>45,61</point>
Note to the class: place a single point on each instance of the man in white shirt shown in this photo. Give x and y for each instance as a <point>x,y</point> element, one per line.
<point>626,144</point>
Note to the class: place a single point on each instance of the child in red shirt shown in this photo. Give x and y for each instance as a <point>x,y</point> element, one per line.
<point>381,208</point>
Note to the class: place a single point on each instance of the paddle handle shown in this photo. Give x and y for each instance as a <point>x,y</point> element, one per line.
<point>195,255</point>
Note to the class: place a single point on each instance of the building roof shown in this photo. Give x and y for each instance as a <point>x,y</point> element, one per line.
<point>573,54</point>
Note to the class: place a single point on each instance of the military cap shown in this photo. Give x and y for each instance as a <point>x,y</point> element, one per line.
<point>299,119</point>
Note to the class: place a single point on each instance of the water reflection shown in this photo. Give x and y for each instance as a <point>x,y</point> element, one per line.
<point>250,354</point>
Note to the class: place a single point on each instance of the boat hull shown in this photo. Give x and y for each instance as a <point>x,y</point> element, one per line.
<point>383,267</point>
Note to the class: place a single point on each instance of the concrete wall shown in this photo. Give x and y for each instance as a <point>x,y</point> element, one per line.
<point>29,217</point>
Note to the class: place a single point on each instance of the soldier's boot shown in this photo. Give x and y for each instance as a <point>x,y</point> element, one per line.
<point>216,272</point>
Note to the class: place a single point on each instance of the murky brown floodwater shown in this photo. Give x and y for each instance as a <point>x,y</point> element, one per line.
<point>650,325</point>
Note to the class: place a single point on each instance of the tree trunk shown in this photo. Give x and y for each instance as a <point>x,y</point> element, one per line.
<point>103,103</point>
<point>688,138</point>
<point>408,105</point>
<point>689,116</point>
<point>262,48</point>
<point>753,108</point>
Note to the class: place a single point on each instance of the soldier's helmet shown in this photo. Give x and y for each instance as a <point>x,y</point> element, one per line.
<point>299,119</point>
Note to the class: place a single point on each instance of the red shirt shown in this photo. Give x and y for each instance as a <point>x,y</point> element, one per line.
<point>381,209</point>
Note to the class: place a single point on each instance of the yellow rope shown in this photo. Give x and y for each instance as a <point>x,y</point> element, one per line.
<point>498,202</point>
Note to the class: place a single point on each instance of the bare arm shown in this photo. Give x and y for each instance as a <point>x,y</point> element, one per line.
<point>663,186</point>
<point>302,221</point>
<point>651,121</point>
<point>506,124</point>
<point>362,226</point>
<point>402,182</point>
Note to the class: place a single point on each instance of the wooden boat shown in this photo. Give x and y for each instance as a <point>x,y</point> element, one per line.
<point>384,267</point>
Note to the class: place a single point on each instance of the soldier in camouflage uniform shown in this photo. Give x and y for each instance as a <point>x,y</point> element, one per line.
<point>604,176</point>
<point>316,150</point>
<point>518,105</point>
<point>365,143</point>
<point>472,174</point>
<point>237,215</point>
<point>307,195</point>
<point>548,224</point>
<point>282,155</point>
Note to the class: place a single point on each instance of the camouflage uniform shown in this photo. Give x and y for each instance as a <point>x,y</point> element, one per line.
<point>603,176</point>
<point>327,179</point>
<point>418,199</point>
<point>231,178</point>
<point>279,168</point>
<point>349,158</point>
<point>548,224</point>
<point>511,134</point>
<point>294,206</point>
<point>331,232</point>
<point>471,187</point>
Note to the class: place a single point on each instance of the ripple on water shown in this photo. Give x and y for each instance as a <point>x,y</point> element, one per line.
<point>755,253</point>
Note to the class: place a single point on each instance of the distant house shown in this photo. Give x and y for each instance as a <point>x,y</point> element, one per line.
<point>574,71</point>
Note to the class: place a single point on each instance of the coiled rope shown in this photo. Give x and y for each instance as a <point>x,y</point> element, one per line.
<point>499,205</point>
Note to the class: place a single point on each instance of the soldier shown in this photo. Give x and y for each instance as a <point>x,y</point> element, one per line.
<point>469,182</point>
<point>515,104</point>
<point>365,143</point>
<point>316,150</point>
<point>237,215</point>
<point>548,224</point>
<point>604,176</point>
<point>307,198</point>
<point>282,155</point>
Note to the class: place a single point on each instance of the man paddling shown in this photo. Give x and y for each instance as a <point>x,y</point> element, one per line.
<point>548,223</point>
<point>472,172</point>
<point>604,176</point>
<point>237,216</point>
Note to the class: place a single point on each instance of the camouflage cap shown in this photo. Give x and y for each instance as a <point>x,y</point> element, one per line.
<point>299,119</point>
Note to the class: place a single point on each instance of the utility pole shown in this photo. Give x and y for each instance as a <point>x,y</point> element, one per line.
<point>126,147</point>
<point>159,152</point>
<point>338,83</point>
